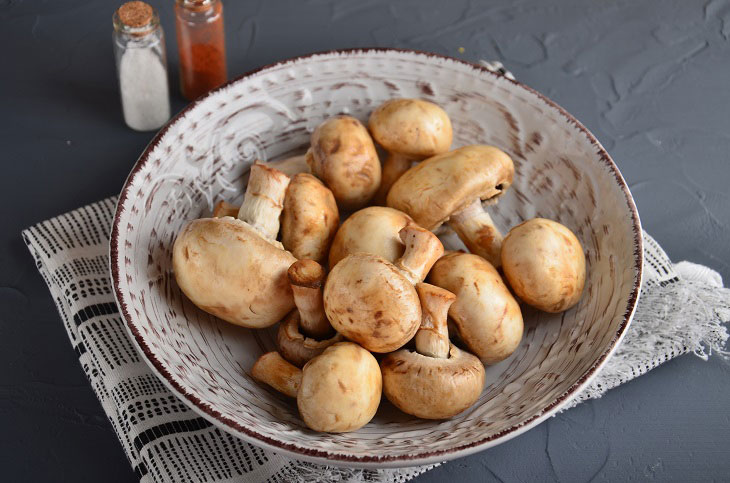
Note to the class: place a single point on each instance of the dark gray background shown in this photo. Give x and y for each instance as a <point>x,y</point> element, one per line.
<point>651,79</point>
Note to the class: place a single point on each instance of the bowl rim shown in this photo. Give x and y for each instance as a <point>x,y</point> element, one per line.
<point>371,461</point>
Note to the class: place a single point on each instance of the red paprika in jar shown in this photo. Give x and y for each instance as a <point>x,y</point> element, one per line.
<point>201,43</point>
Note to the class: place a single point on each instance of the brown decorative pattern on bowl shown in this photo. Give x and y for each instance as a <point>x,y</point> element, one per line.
<point>203,155</point>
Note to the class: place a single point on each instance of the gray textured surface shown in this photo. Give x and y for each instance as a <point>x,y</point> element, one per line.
<point>650,79</point>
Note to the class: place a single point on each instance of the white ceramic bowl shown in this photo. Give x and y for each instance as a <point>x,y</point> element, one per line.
<point>203,155</point>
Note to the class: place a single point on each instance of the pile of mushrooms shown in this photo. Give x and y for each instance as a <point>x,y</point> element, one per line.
<point>356,319</point>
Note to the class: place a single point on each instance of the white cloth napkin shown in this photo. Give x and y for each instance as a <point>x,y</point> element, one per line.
<point>681,309</point>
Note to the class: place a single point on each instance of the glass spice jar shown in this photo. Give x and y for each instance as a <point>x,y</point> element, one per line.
<point>139,50</point>
<point>201,42</point>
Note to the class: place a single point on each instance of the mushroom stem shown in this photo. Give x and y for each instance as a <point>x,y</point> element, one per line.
<point>264,199</point>
<point>223,208</point>
<point>273,370</point>
<point>478,232</point>
<point>393,168</point>
<point>432,338</point>
<point>306,278</point>
<point>423,248</point>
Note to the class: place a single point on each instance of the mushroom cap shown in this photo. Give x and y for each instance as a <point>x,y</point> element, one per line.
<point>294,346</point>
<point>310,218</point>
<point>544,264</point>
<point>371,230</point>
<point>431,387</point>
<point>487,316</point>
<point>411,127</point>
<point>228,269</point>
<point>340,389</point>
<point>447,183</point>
<point>368,300</point>
<point>343,155</point>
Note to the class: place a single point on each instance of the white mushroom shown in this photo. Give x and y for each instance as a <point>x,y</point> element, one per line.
<point>544,264</point>
<point>438,380</point>
<point>410,130</point>
<point>310,218</point>
<point>372,301</point>
<point>234,268</point>
<point>337,391</point>
<point>450,187</point>
<point>485,313</point>
<point>343,156</point>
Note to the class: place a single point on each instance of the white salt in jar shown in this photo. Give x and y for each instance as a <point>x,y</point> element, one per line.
<point>139,49</point>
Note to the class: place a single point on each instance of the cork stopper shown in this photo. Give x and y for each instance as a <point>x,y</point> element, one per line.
<point>135,14</point>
